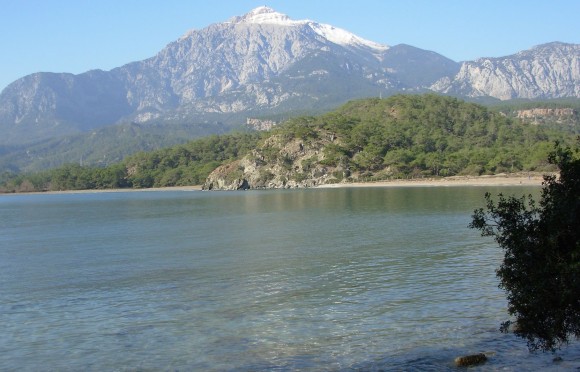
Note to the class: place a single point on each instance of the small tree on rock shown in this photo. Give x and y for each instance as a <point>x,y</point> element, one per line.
<point>541,268</point>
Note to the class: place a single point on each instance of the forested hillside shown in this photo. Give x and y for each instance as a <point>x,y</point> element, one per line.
<point>103,146</point>
<point>401,136</point>
<point>437,135</point>
<point>187,164</point>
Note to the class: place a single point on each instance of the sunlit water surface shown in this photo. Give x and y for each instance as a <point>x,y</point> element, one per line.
<point>323,279</point>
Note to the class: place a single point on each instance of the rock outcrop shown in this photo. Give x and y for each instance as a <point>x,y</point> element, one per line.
<point>280,163</point>
<point>545,112</point>
<point>260,124</point>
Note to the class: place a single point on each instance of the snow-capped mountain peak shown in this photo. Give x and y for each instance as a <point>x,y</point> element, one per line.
<point>266,15</point>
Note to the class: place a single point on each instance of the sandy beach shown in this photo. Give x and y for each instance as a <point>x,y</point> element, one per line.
<point>535,179</point>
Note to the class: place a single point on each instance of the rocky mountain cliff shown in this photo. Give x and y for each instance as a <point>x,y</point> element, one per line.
<point>545,71</point>
<point>265,63</point>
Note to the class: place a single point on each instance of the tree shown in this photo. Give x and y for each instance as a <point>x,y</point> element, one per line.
<point>541,268</point>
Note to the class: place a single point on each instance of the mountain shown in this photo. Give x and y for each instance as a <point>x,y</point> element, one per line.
<point>545,71</point>
<point>261,64</point>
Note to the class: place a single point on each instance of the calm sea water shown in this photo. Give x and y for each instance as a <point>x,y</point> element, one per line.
<point>323,279</point>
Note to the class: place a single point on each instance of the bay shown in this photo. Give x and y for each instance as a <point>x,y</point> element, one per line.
<point>318,279</point>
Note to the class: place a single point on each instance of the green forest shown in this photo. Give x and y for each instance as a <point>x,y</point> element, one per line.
<point>437,136</point>
<point>187,164</point>
<point>408,135</point>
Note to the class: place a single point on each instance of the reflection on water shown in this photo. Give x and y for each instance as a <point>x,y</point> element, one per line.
<point>335,279</point>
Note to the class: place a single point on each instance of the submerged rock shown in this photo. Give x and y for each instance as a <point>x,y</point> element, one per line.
<point>470,360</point>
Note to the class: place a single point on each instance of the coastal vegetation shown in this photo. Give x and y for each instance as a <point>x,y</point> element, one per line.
<point>402,136</point>
<point>541,265</point>
<point>187,164</point>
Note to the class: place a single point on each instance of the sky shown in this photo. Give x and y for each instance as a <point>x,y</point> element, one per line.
<point>79,35</point>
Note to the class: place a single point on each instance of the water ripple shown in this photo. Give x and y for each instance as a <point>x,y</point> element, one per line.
<point>325,280</point>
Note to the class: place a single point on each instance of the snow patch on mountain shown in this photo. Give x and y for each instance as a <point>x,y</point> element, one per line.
<point>343,37</point>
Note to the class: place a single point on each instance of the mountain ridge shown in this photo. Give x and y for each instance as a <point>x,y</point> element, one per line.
<point>264,63</point>
<point>550,70</point>
<point>227,68</point>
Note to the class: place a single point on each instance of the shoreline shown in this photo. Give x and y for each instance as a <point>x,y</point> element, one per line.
<point>98,191</point>
<point>533,179</point>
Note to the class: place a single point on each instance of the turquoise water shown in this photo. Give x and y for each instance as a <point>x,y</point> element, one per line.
<point>322,279</point>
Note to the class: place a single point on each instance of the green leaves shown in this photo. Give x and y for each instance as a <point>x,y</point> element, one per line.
<point>541,268</point>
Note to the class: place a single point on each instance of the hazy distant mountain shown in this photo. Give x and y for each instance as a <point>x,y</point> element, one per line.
<point>264,63</point>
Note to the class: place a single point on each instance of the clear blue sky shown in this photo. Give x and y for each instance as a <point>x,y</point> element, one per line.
<point>79,35</point>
